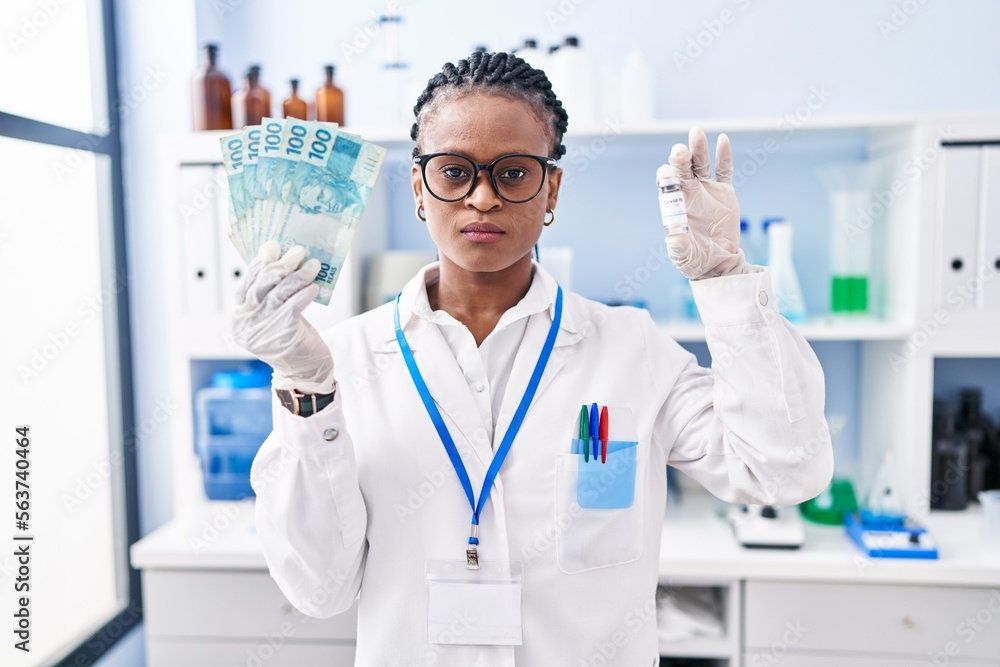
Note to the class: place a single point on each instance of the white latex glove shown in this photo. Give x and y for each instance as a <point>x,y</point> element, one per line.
<point>711,247</point>
<point>268,322</point>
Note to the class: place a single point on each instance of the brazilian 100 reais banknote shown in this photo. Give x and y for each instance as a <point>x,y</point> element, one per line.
<point>299,183</point>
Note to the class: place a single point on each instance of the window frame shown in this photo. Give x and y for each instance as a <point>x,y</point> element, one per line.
<point>93,647</point>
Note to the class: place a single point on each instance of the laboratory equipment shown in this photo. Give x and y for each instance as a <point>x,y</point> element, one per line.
<point>881,528</point>
<point>330,100</point>
<point>750,244</point>
<point>767,526</point>
<point>637,84</point>
<point>885,536</point>
<point>211,94</point>
<point>295,106</point>
<point>837,499</point>
<point>849,187</point>
<point>832,504</point>
<point>784,279</point>
<point>571,73</point>
<point>232,418</point>
<point>532,55</point>
<point>671,197</point>
<point>251,102</point>
<point>949,462</point>
<point>401,92</point>
<point>981,434</point>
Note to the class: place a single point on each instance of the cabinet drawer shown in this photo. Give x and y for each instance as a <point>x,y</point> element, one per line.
<point>794,660</point>
<point>202,603</point>
<point>918,620</point>
<point>192,653</point>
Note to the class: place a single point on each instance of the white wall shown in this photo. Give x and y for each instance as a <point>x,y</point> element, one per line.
<point>153,38</point>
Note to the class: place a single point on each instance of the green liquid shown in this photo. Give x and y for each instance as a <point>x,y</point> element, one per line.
<point>850,294</point>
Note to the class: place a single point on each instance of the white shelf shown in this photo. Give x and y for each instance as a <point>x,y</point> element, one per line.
<point>819,329</point>
<point>698,647</point>
<point>203,147</point>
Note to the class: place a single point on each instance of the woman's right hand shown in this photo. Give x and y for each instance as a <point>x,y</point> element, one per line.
<point>268,323</point>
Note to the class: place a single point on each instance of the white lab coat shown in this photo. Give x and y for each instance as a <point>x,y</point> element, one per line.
<point>362,512</point>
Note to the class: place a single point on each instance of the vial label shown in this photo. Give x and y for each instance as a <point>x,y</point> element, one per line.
<point>672,209</point>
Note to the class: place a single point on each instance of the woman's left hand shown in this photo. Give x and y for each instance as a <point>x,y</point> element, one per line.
<point>712,245</point>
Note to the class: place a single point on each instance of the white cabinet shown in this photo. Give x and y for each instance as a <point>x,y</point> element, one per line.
<point>802,618</point>
<point>209,618</point>
<point>210,601</point>
<point>794,660</point>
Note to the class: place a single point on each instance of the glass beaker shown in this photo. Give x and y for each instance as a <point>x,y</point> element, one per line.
<point>849,187</point>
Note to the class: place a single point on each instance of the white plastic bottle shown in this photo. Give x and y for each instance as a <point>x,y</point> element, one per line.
<point>532,55</point>
<point>572,75</point>
<point>636,90</point>
<point>784,279</point>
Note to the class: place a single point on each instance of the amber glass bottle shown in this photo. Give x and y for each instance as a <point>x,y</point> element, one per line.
<point>295,106</point>
<point>260,94</point>
<point>330,100</point>
<point>252,102</point>
<point>210,95</point>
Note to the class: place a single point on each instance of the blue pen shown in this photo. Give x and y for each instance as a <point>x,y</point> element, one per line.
<point>594,423</point>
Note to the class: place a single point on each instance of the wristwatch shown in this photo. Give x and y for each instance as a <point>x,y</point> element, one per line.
<point>301,404</point>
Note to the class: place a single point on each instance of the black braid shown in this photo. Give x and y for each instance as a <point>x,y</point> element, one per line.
<point>508,73</point>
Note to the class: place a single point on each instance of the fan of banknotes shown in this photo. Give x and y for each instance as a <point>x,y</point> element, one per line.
<point>300,183</point>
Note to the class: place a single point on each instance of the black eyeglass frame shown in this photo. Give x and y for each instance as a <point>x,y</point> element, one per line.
<point>422,160</point>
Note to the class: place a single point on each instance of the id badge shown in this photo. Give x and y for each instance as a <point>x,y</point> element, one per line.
<point>477,607</point>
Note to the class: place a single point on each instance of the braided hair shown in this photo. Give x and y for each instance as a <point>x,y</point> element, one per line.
<point>502,72</point>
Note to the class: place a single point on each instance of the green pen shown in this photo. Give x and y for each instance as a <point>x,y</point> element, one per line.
<point>585,432</point>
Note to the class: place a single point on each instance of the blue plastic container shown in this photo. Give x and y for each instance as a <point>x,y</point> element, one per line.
<point>232,420</point>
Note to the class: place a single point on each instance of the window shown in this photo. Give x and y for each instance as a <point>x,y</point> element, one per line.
<point>64,334</point>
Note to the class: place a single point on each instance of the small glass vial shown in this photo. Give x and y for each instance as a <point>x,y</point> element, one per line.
<point>672,208</point>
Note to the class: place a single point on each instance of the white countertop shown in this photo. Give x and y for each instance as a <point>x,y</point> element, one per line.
<point>217,535</point>
<point>697,545</point>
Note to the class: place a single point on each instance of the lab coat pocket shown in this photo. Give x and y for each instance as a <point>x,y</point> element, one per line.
<point>599,508</point>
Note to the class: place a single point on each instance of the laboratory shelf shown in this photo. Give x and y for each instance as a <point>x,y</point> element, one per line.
<point>197,150</point>
<point>698,647</point>
<point>819,329</point>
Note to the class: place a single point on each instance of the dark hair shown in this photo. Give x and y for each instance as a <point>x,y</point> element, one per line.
<point>502,72</point>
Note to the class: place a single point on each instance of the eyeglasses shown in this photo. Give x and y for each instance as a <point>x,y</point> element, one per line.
<point>516,177</point>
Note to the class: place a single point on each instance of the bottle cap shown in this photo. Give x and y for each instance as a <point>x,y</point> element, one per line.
<point>769,221</point>
<point>572,40</point>
<point>530,44</point>
<point>666,172</point>
<point>744,225</point>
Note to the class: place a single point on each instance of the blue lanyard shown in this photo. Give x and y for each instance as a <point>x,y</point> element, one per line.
<point>508,438</point>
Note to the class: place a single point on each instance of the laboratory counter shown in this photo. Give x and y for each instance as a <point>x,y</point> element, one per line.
<point>197,569</point>
<point>697,544</point>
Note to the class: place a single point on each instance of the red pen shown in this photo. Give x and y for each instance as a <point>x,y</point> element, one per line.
<point>603,434</point>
